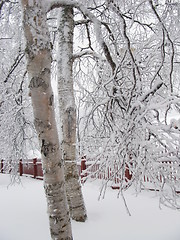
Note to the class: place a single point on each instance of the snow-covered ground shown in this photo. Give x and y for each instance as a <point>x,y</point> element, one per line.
<point>23,215</point>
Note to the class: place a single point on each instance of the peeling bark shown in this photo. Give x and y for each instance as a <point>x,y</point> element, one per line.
<point>38,68</point>
<point>68,113</point>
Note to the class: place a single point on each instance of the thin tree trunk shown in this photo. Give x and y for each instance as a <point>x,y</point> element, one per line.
<point>39,72</point>
<point>68,113</point>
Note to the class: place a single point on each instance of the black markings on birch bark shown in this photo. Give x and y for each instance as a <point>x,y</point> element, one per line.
<point>51,100</point>
<point>70,113</point>
<point>42,125</point>
<point>37,82</point>
<point>50,188</point>
<point>45,71</point>
<point>48,148</point>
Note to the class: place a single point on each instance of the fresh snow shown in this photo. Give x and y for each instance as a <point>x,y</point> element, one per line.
<point>23,214</point>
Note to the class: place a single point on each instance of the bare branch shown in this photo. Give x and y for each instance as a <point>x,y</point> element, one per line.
<point>15,64</point>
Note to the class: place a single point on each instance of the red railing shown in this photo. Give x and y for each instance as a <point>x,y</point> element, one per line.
<point>31,167</point>
<point>96,171</point>
<point>165,171</point>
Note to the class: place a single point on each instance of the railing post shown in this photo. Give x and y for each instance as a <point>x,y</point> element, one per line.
<point>35,167</point>
<point>20,167</point>
<point>83,166</point>
<point>128,175</point>
<point>1,165</point>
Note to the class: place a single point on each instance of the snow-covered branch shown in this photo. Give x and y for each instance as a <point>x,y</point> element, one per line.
<point>97,24</point>
<point>87,53</point>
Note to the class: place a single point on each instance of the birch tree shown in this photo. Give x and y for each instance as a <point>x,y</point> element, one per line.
<point>38,52</point>
<point>67,110</point>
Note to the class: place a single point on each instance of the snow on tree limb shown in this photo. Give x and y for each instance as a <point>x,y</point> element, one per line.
<point>97,25</point>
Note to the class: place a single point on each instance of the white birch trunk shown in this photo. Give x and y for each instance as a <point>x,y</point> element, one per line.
<point>39,70</point>
<point>68,113</point>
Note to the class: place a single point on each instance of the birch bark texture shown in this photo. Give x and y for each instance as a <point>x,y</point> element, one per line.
<point>67,110</point>
<point>38,52</point>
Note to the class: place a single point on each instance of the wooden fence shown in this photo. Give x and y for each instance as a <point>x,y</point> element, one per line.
<point>30,167</point>
<point>162,171</point>
<point>94,170</point>
<point>33,168</point>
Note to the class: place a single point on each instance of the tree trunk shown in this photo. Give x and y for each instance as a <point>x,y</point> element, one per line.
<point>39,72</point>
<point>68,113</point>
